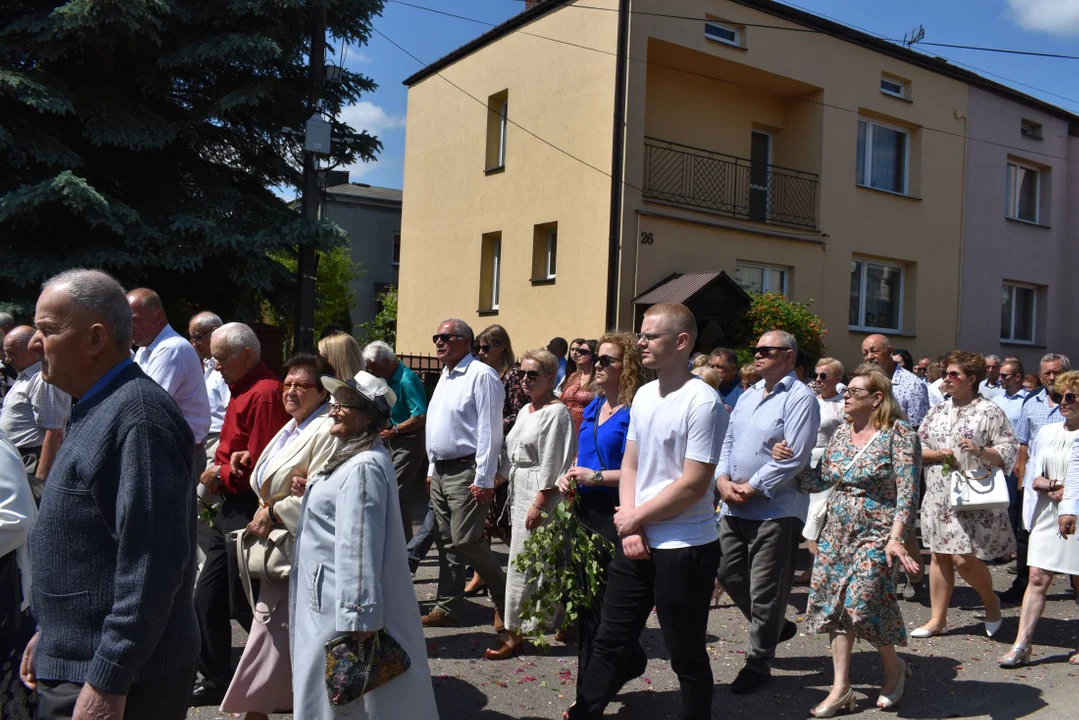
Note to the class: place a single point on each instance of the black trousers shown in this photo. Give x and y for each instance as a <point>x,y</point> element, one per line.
<point>219,595</point>
<point>679,584</point>
<point>1022,535</point>
<point>163,698</point>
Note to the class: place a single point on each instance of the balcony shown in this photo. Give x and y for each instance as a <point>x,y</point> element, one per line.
<point>728,185</point>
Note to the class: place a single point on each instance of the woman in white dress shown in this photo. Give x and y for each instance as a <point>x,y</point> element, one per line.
<point>539,449</point>
<point>350,568</point>
<point>1050,551</point>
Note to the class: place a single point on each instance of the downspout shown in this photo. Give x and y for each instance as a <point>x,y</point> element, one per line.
<point>962,228</point>
<point>617,165</point>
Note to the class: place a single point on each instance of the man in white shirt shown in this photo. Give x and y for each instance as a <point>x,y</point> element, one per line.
<point>991,387</point>
<point>669,547</point>
<point>171,362</point>
<point>464,440</point>
<point>199,330</point>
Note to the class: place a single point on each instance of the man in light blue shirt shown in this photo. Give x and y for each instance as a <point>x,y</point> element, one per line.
<point>992,387</point>
<point>762,507</point>
<point>1012,395</point>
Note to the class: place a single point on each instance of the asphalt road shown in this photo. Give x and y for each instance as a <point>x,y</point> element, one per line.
<point>955,676</point>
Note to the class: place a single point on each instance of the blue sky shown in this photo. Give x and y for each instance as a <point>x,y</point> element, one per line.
<point>1038,25</point>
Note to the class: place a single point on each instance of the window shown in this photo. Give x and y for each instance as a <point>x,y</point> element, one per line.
<point>544,253</point>
<point>876,296</point>
<point>723,33</point>
<point>893,86</point>
<point>882,156</point>
<point>1018,310</point>
<point>497,130</point>
<point>761,278</point>
<point>1030,129</point>
<point>490,271</point>
<point>1023,192</point>
<point>396,248</point>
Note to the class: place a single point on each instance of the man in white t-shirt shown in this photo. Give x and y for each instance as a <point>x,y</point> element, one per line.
<point>669,549</point>
<point>763,509</point>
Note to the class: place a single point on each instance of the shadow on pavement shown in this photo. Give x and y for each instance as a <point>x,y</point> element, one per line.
<point>458,700</point>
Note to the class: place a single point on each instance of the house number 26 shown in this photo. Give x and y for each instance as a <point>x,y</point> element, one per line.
<point>646,238</point>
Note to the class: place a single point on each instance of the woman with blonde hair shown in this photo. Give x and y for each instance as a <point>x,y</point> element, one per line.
<point>709,375</point>
<point>871,464</point>
<point>343,353</point>
<point>750,377</point>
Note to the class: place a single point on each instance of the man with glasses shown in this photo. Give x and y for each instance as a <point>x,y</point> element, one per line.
<point>1039,409</point>
<point>725,362</point>
<point>763,509</point>
<point>669,550</point>
<point>464,441</point>
<point>910,392</point>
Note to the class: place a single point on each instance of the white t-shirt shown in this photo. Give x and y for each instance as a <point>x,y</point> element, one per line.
<point>689,423</point>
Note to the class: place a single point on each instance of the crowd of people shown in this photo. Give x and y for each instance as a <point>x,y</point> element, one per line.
<point>153,489</point>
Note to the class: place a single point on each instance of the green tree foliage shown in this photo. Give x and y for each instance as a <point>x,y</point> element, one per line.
<point>334,296</point>
<point>772,311</point>
<point>384,326</point>
<point>144,137</point>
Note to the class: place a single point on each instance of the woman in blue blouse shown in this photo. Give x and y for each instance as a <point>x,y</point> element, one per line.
<point>600,446</point>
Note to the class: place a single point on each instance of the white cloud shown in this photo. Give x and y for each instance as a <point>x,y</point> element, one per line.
<point>1056,17</point>
<point>365,115</point>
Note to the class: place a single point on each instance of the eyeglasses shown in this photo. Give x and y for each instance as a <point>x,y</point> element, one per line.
<point>1009,376</point>
<point>853,392</point>
<point>1067,398</point>
<point>582,351</point>
<point>335,407</point>
<point>487,348</point>
<point>531,374</point>
<point>822,376</point>
<point>606,360</point>
<point>953,375</point>
<point>444,338</point>
<point>650,337</point>
<point>767,350</point>
<point>287,386</point>
<point>197,337</point>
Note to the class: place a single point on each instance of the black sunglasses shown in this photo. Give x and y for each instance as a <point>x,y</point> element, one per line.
<point>583,351</point>
<point>444,338</point>
<point>531,374</point>
<point>606,360</point>
<point>822,376</point>
<point>1068,398</point>
<point>487,348</point>
<point>766,350</point>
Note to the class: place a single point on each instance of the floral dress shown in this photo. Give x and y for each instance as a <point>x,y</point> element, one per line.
<point>576,397</point>
<point>853,589</point>
<point>986,534</point>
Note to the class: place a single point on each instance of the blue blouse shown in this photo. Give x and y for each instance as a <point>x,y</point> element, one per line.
<point>611,437</point>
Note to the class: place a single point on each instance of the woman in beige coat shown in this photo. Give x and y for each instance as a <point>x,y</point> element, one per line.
<point>263,681</point>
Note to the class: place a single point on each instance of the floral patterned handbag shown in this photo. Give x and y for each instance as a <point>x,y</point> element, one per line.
<point>354,669</point>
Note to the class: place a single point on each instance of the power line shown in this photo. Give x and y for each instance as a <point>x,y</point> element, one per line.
<point>1025,151</point>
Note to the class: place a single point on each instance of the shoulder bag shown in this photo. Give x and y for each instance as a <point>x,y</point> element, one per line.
<point>258,559</point>
<point>986,489</point>
<point>818,516</point>
<point>354,669</point>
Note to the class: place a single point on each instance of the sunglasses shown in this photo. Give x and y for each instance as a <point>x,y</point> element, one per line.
<point>606,360</point>
<point>1008,376</point>
<point>822,376</point>
<point>531,374</point>
<point>953,375</point>
<point>336,407</point>
<point>444,338</point>
<point>1067,398</point>
<point>287,386</point>
<point>582,351</point>
<point>487,348</point>
<point>767,350</point>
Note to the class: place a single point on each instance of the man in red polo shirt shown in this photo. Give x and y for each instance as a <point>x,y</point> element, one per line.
<point>254,415</point>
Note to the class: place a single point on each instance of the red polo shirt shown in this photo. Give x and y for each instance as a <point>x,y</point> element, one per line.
<point>254,415</point>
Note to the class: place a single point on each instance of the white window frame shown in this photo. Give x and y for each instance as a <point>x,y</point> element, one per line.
<point>552,244</point>
<point>868,159</point>
<point>496,271</point>
<point>1011,191</point>
<point>503,114</point>
<point>737,32</point>
<point>861,326</point>
<point>1033,320</point>
<point>901,94</point>
<point>767,269</point>
<point>396,246</point>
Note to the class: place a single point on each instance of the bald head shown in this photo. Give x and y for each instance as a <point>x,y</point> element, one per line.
<point>17,351</point>
<point>877,350</point>
<point>147,316</point>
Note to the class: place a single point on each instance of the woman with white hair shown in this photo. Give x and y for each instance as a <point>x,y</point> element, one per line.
<point>350,580</point>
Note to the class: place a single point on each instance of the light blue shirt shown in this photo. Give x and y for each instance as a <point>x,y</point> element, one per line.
<point>991,392</point>
<point>1012,405</point>
<point>789,413</point>
<point>1036,413</point>
<point>174,365</point>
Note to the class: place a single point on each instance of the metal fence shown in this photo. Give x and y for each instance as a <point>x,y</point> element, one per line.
<point>729,185</point>
<point>427,367</point>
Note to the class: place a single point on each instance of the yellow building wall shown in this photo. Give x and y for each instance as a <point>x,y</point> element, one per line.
<point>811,87</point>
<point>561,93</point>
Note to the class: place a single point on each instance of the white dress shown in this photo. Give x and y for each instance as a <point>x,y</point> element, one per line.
<point>831,417</point>
<point>350,572</point>
<point>1049,457</point>
<point>540,448</point>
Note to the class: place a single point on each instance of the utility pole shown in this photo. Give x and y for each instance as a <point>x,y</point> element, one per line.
<point>307,262</point>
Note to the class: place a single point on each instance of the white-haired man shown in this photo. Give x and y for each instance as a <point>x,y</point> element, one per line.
<point>172,363</point>
<point>991,387</point>
<point>254,415</point>
<point>405,437</point>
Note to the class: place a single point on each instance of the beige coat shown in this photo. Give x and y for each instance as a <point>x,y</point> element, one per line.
<point>304,457</point>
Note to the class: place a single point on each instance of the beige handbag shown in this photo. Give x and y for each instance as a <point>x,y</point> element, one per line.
<point>258,559</point>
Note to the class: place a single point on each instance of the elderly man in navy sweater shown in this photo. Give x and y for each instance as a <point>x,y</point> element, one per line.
<point>113,550</point>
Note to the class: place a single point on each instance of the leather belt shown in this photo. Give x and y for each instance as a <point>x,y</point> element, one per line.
<point>444,466</point>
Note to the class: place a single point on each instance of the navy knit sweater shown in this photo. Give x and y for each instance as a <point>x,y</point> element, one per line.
<point>113,549</point>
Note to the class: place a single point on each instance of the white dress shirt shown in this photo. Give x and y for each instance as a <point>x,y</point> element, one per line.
<point>217,390</point>
<point>32,407</point>
<point>174,365</point>
<point>465,417</point>
<point>290,432</point>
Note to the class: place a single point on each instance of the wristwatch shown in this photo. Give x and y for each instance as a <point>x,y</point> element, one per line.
<point>597,478</point>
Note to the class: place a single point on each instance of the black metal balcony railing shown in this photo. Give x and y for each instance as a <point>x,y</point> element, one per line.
<point>730,185</point>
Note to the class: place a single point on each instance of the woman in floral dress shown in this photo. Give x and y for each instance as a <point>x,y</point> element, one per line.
<point>872,464</point>
<point>579,389</point>
<point>971,434</point>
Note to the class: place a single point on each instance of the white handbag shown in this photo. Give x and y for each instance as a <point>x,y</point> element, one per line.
<point>984,490</point>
